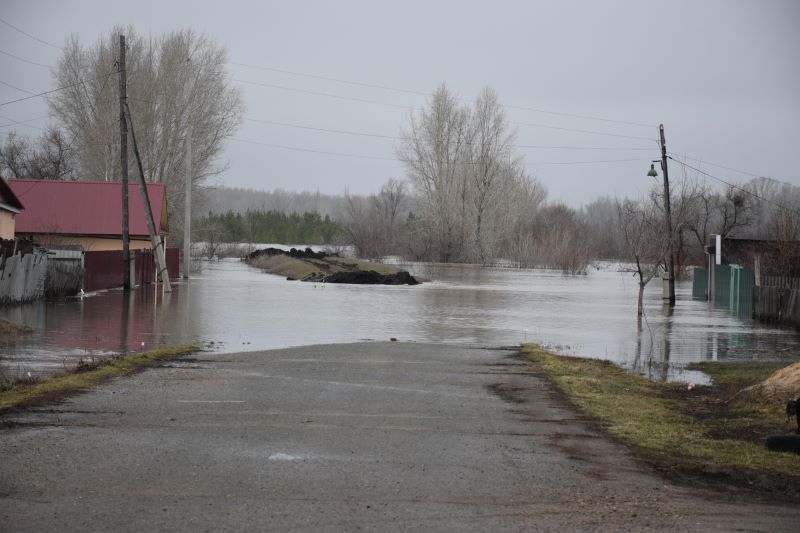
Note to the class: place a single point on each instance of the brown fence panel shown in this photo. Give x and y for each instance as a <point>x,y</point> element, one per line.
<point>145,267</point>
<point>173,262</point>
<point>103,270</point>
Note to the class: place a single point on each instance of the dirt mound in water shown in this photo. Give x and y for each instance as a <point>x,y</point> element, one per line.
<point>308,253</point>
<point>370,277</point>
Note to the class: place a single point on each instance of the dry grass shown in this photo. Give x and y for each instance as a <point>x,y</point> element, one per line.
<point>9,330</point>
<point>36,392</point>
<point>296,268</point>
<point>673,427</point>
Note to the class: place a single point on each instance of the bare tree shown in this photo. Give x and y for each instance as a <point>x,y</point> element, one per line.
<point>785,233</point>
<point>50,157</point>
<point>433,149</point>
<point>643,239</point>
<point>388,204</point>
<point>175,80</point>
<point>489,158</point>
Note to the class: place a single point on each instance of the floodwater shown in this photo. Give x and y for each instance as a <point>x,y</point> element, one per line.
<point>231,307</point>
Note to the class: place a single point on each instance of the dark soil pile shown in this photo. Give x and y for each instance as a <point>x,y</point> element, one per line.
<point>370,277</point>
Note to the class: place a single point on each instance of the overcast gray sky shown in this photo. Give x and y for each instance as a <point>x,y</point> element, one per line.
<point>722,76</point>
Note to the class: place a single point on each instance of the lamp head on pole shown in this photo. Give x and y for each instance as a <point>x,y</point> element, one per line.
<point>652,172</point>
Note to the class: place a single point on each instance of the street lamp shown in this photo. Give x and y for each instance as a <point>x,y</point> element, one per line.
<point>670,297</point>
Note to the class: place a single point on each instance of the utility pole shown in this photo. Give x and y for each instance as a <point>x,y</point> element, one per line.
<point>155,240</point>
<point>668,218</point>
<point>123,161</point>
<point>187,217</point>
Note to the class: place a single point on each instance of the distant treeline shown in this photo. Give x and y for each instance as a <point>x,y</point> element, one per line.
<point>223,199</point>
<point>269,226</point>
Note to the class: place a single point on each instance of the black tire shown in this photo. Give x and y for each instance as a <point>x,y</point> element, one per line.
<point>783,443</point>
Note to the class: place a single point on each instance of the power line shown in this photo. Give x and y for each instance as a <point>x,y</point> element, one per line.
<point>45,93</point>
<point>297,149</point>
<point>326,78</point>
<point>9,54</point>
<point>326,130</point>
<point>422,93</point>
<point>398,138</point>
<point>15,87</point>
<point>575,115</point>
<point>586,131</point>
<point>317,93</point>
<point>21,122</point>
<point>586,162</point>
<point>704,162</point>
<point>29,35</point>
<point>734,186</point>
<point>362,156</point>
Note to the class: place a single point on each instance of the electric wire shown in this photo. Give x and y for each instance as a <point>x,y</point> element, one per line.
<point>318,93</point>
<point>16,88</point>
<point>9,54</point>
<point>592,132</point>
<point>325,152</point>
<point>427,94</point>
<point>398,138</point>
<point>704,162</point>
<point>363,156</point>
<point>326,78</point>
<point>23,32</point>
<point>734,186</point>
<point>21,122</point>
<point>57,89</point>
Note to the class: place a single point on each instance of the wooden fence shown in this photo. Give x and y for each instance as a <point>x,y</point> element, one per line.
<point>778,300</point>
<point>22,277</point>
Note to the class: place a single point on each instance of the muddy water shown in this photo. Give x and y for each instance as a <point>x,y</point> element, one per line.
<point>232,307</point>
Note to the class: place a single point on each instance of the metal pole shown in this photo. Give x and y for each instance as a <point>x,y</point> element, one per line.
<point>187,217</point>
<point>668,217</point>
<point>123,161</point>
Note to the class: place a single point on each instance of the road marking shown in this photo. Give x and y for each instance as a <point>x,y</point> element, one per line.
<point>211,401</point>
<point>284,457</point>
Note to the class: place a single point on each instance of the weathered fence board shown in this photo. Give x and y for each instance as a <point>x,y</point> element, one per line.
<point>22,277</point>
<point>775,304</point>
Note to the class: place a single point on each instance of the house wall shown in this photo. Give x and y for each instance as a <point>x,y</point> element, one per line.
<point>90,244</point>
<point>6,225</point>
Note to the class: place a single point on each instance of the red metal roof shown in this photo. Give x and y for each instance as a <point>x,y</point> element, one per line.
<point>8,198</point>
<point>86,207</point>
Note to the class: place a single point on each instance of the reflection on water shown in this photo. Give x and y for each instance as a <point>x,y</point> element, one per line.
<point>241,309</point>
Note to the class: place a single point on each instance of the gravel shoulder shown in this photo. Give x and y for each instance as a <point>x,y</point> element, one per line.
<point>372,436</point>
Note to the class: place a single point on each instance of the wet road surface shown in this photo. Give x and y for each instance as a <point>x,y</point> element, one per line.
<point>368,436</point>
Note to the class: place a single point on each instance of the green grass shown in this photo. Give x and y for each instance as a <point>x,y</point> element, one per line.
<point>670,426</point>
<point>56,387</point>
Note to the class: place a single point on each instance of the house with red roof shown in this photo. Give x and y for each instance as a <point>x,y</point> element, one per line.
<point>10,207</point>
<point>86,213</point>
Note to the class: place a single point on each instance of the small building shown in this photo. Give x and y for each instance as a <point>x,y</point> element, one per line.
<point>10,207</point>
<point>86,213</point>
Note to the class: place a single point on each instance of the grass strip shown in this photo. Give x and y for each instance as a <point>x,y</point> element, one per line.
<point>673,427</point>
<point>61,385</point>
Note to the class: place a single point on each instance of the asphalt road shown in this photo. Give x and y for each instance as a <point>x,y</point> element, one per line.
<point>372,436</point>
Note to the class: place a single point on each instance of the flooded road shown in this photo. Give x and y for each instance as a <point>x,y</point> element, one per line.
<point>230,307</point>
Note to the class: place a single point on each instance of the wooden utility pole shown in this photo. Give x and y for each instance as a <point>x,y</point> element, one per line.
<point>155,240</point>
<point>123,161</point>
<point>187,217</point>
<point>668,218</point>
